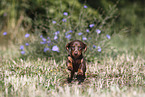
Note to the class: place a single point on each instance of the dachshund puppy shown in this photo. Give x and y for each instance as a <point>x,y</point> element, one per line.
<point>75,60</point>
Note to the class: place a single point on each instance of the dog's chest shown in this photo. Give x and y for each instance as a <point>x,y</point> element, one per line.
<point>76,63</point>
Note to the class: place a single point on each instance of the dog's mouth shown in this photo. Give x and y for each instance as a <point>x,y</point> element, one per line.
<point>75,53</point>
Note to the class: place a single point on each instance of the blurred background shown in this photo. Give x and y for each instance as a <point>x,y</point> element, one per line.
<point>33,35</point>
<point>19,17</point>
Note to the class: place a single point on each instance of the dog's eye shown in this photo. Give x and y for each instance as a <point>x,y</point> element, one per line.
<point>72,48</point>
<point>80,48</point>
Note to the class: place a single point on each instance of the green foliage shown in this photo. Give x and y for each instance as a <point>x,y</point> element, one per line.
<point>132,16</point>
<point>59,31</point>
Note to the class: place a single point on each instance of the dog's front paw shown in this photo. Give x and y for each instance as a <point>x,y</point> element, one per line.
<point>80,72</point>
<point>70,68</point>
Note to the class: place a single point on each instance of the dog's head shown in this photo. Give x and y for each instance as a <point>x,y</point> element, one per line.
<point>76,47</point>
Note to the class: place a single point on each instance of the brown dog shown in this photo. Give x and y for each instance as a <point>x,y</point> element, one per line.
<point>75,61</point>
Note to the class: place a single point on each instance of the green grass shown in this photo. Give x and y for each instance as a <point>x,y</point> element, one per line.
<point>111,77</point>
<point>119,72</point>
<point>133,45</point>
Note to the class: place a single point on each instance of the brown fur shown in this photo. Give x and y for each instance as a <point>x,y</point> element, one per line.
<point>75,61</point>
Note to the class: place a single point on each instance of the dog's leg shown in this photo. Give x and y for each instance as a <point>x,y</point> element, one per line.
<point>81,71</point>
<point>71,76</point>
<point>82,68</point>
<point>69,64</point>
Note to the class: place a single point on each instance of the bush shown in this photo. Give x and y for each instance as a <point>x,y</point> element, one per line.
<point>54,34</point>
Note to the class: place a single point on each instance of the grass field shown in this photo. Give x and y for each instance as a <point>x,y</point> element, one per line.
<point>115,59</point>
<point>121,74</point>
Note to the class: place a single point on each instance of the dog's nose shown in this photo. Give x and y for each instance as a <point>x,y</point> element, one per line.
<point>76,53</point>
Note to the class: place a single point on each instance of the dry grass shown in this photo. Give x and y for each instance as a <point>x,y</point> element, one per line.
<point>123,76</point>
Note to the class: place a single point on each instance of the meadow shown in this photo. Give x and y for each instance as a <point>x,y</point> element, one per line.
<point>106,77</point>
<point>33,59</point>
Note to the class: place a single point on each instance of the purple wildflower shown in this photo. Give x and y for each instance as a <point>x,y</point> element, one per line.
<point>48,38</point>
<point>49,41</point>
<point>87,30</point>
<point>108,36</point>
<point>70,31</point>
<point>46,49</point>
<point>55,48</point>
<point>5,33</point>
<point>64,20</point>
<point>68,36</point>
<point>21,47</point>
<point>65,13</point>
<point>44,39</point>
<point>22,52</point>
<point>99,49</point>
<point>91,25</point>
<point>85,6</point>
<point>43,42</point>
<point>98,31</point>
<point>27,44</point>
<point>57,32</point>
<point>55,37</point>
<point>54,22</point>
<point>94,46</point>
<point>27,35</point>
<point>80,33</point>
<point>84,38</point>
<point>41,36</point>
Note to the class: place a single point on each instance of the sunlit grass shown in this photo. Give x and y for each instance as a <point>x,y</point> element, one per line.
<point>123,76</point>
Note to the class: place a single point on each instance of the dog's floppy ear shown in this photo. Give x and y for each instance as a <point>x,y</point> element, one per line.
<point>85,47</point>
<point>68,46</point>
